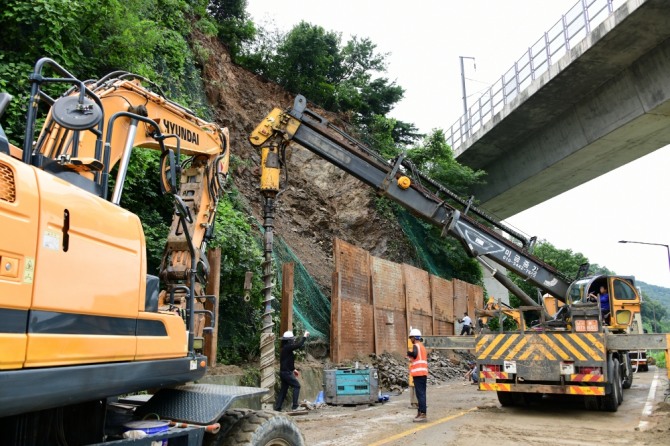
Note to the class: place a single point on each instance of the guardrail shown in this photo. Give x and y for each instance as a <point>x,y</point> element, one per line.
<point>570,29</point>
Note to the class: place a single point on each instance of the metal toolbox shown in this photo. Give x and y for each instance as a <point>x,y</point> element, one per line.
<point>351,386</point>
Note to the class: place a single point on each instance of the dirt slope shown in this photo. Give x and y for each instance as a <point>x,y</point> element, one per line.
<point>321,201</point>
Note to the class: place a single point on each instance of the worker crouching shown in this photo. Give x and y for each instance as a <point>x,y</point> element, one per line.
<point>419,370</point>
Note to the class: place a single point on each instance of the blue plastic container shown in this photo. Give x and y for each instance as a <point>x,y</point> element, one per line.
<point>149,426</point>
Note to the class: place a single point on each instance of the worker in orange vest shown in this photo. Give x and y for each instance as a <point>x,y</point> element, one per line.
<point>418,369</point>
<point>413,403</point>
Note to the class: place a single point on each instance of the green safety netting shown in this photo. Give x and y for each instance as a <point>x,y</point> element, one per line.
<point>311,308</point>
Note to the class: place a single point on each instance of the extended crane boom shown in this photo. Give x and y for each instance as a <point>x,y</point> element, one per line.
<point>400,181</point>
<point>582,350</point>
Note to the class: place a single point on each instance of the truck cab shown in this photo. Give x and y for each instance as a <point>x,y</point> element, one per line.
<point>622,296</point>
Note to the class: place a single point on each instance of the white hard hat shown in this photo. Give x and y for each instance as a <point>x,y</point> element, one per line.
<point>287,335</point>
<point>414,332</point>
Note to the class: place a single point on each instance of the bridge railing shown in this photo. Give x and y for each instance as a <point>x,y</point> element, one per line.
<point>571,28</point>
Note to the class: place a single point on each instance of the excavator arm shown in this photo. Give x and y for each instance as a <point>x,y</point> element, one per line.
<point>481,235</point>
<point>87,138</point>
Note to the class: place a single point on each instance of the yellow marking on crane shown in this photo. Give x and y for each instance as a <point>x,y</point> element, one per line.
<point>496,341</point>
<point>504,347</point>
<point>571,348</point>
<point>517,347</point>
<point>554,347</point>
<point>594,354</point>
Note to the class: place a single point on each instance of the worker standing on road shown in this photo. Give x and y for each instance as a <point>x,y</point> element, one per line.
<point>287,372</point>
<point>467,324</point>
<point>413,402</point>
<point>419,371</point>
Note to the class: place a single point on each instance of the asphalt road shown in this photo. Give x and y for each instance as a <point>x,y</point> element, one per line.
<point>459,414</point>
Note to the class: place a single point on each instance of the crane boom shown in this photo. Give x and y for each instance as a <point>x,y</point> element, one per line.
<point>400,181</point>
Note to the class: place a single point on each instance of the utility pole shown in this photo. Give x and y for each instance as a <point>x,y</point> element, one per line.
<point>465,96</point>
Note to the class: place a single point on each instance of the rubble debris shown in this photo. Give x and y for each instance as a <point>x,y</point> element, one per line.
<point>442,367</point>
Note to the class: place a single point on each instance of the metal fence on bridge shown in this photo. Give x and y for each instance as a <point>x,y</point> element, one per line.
<point>570,29</point>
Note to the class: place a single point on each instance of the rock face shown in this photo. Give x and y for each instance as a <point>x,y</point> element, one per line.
<point>321,202</point>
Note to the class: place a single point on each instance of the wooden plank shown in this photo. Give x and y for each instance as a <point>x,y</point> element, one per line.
<point>407,321</point>
<point>335,319</point>
<point>286,321</point>
<point>375,323</point>
<point>213,288</point>
<point>432,303</point>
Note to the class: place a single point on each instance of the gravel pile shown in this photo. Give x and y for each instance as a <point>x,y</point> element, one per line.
<point>394,371</point>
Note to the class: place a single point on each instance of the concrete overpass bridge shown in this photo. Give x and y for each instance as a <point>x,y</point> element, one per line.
<point>590,95</point>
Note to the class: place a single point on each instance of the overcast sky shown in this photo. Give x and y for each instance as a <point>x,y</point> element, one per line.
<point>425,39</point>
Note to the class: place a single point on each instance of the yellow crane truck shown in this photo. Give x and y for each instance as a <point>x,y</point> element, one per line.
<point>577,351</point>
<point>81,319</point>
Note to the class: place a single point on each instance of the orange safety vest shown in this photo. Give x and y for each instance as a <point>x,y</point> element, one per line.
<point>419,366</point>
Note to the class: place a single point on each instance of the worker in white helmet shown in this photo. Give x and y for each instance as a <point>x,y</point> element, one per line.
<point>419,371</point>
<point>287,371</point>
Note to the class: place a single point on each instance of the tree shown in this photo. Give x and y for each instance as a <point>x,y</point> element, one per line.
<point>235,26</point>
<point>435,158</point>
<point>306,62</point>
<point>654,314</point>
<point>345,78</point>
<point>564,260</point>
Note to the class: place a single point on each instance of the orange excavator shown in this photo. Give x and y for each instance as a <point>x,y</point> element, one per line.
<point>81,320</point>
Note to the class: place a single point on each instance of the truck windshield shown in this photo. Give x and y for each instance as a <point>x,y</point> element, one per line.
<point>577,291</point>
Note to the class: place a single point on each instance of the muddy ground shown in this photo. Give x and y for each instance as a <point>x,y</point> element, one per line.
<point>461,415</point>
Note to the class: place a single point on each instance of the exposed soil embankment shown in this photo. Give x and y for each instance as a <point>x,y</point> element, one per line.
<point>320,202</point>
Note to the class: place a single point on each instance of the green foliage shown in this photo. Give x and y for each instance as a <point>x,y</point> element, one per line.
<point>338,77</point>
<point>564,260</point>
<point>235,26</point>
<point>659,357</point>
<point>654,315</point>
<point>509,324</point>
<point>239,321</point>
<point>435,158</point>
<point>142,196</point>
<point>147,37</point>
<point>661,296</point>
<point>305,63</point>
<point>251,377</point>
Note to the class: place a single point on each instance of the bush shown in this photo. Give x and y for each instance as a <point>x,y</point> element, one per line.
<point>659,358</point>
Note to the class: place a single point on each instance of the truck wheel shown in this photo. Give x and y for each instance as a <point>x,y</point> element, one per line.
<point>628,376</point>
<point>610,402</point>
<point>508,399</point>
<point>263,429</point>
<point>619,381</point>
<point>227,421</point>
